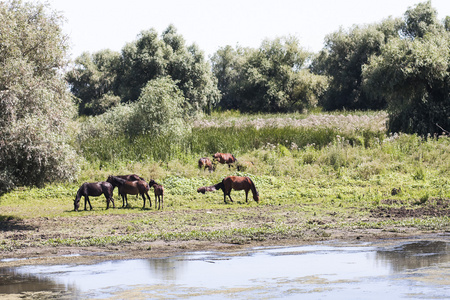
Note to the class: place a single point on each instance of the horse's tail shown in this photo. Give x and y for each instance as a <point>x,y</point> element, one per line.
<point>234,158</point>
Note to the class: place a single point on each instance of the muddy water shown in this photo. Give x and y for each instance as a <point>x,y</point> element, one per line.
<point>405,270</point>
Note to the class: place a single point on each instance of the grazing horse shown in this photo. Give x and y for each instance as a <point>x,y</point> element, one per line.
<point>225,158</point>
<point>205,162</point>
<point>130,177</point>
<point>159,195</point>
<point>140,187</point>
<point>233,182</point>
<point>94,189</point>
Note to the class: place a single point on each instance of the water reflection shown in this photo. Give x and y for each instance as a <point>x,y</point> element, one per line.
<point>14,281</point>
<point>279,272</point>
<point>414,255</point>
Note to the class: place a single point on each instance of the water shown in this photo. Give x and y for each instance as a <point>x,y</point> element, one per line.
<point>412,270</point>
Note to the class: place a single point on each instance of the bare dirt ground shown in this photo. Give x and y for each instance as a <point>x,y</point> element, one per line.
<point>25,237</point>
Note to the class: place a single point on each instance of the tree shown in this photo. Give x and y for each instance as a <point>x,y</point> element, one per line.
<point>35,107</point>
<point>227,66</point>
<point>270,79</point>
<point>412,74</point>
<point>103,79</point>
<point>159,110</point>
<point>342,59</point>
<point>414,78</point>
<point>93,81</point>
<point>420,20</point>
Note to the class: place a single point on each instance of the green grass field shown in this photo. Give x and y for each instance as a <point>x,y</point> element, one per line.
<point>316,175</point>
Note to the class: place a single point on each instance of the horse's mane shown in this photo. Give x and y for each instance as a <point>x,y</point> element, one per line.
<point>117,180</point>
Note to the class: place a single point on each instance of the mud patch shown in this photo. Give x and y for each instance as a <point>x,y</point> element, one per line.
<point>417,209</point>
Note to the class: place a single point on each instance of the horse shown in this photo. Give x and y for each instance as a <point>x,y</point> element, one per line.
<point>159,195</point>
<point>130,177</point>
<point>140,187</point>
<point>94,189</point>
<point>225,158</point>
<point>233,183</point>
<point>205,162</point>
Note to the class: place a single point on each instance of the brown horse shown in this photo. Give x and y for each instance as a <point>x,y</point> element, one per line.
<point>140,187</point>
<point>233,183</point>
<point>159,195</point>
<point>94,189</point>
<point>130,177</point>
<point>225,158</point>
<point>204,163</point>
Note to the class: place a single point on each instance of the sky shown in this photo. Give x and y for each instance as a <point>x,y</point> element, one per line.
<point>94,25</point>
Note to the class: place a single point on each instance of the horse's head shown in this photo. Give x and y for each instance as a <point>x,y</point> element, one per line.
<point>110,179</point>
<point>76,203</point>
<point>256,197</point>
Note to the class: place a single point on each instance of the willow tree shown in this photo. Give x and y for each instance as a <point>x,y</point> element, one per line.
<point>35,107</point>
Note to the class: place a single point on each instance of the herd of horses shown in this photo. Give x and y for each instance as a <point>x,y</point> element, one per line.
<point>135,185</point>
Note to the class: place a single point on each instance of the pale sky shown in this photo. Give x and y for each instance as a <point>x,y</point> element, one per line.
<point>93,25</point>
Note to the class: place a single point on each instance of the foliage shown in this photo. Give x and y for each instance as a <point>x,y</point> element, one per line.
<point>272,78</point>
<point>150,128</point>
<point>93,81</point>
<point>149,57</point>
<point>342,58</point>
<point>104,138</point>
<point>159,111</point>
<point>35,108</point>
<point>412,75</point>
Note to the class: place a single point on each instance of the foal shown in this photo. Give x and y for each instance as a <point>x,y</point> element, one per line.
<point>159,195</point>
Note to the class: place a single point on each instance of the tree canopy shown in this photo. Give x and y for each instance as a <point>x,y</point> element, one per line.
<point>35,107</point>
<point>273,78</point>
<point>101,79</point>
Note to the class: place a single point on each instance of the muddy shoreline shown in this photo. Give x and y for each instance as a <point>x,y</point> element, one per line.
<point>158,249</point>
<point>141,234</point>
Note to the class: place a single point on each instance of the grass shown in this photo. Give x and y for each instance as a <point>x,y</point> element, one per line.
<point>309,180</point>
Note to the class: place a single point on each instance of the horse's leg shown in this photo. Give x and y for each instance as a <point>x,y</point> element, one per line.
<point>246,196</point>
<point>229,196</point>
<point>123,199</point>
<point>107,201</point>
<point>86,200</point>
<point>149,200</point>
<point>143,197</point>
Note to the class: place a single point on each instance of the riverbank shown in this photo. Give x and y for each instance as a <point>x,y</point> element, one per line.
<point>145,234</point>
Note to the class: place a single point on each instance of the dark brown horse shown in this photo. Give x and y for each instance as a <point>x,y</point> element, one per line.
<point>130,177</point>
<point>159,195</point>
<point>140,187</point>
<point>225,158</point>
<point>94,189</point>
<point>204,163</point>
<point>233,183</point>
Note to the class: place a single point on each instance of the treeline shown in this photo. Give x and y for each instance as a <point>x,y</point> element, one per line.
<point>399,65</point>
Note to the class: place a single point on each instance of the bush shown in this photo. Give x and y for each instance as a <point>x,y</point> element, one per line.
<point>35,107</point>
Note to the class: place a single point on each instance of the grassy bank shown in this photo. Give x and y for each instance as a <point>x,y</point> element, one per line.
<point>312,180</point>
